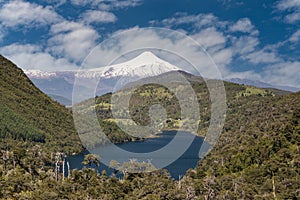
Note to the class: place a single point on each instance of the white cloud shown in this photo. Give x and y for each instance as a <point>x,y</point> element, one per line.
<point>197,21</point>
<point>214,42</point>
<point>222,58</point>
<point>244,44</point>
<point>288,4</point>
<point>243,25</point>
<point>218,36</point>
<point>95,16</point>
<point>85,2</point>
<point>293,9</point>
<point>18,48</point>
<point>116,4</point>
<point>56,3</point>
<point>201,21</point>
<point>15,13</point>
<point>138,39</point>
<point>108,4</point>
<point>295,37</point>
<point>285,73</point>
<point>65,26</point>
<point>292,18</point>
<point>30,56</point>
<point>227,4</point>
<point>72,40</point>
<point>209,37</point>
<point>250,74</point>
<point>262,56</point>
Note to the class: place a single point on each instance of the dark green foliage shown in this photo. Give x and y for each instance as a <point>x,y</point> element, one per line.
<point>14,127</point>
<point>258,152</point>
<point>29,115</point>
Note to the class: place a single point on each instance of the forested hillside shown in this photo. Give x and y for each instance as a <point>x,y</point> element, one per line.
<point>28,115</point>
<point>258,155</point>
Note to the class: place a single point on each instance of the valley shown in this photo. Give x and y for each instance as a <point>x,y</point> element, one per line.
<point>256,156</point>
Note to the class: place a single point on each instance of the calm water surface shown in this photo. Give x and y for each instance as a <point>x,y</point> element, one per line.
<point>187,160</point>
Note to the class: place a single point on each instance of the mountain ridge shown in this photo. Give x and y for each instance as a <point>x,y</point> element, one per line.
<point>261,84</point>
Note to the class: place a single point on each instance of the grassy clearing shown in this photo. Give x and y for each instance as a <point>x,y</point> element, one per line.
<point>249,91</point>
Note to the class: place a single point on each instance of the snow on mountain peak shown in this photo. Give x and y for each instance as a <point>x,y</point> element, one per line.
<point>146,58</point>
<point>144,65</point>
<point>34,73</point>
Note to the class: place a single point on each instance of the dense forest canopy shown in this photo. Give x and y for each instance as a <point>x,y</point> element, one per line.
<point>29,115</point>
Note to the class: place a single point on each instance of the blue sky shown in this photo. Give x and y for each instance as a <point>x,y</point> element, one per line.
<point>258,40</point>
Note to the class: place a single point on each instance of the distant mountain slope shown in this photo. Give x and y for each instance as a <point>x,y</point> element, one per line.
<point>261,84</point>
<point>55,86</point>
<point>31,115</point>
<point>61,99</point>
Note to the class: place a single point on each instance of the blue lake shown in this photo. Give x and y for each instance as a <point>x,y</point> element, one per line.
<point>187,159</point>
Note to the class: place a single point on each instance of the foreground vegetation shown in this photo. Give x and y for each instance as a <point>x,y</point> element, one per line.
<point>257,157</point>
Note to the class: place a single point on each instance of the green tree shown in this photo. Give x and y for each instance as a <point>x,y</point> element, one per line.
<point>115,165</point>
<point>90,159</point>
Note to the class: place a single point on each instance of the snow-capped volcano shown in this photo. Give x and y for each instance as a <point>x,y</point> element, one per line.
<point>61,83</point>
<point>145,65</point>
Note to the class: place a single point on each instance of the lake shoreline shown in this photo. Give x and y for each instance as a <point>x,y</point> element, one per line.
<point>187,160</point>
<point>155,135</point>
